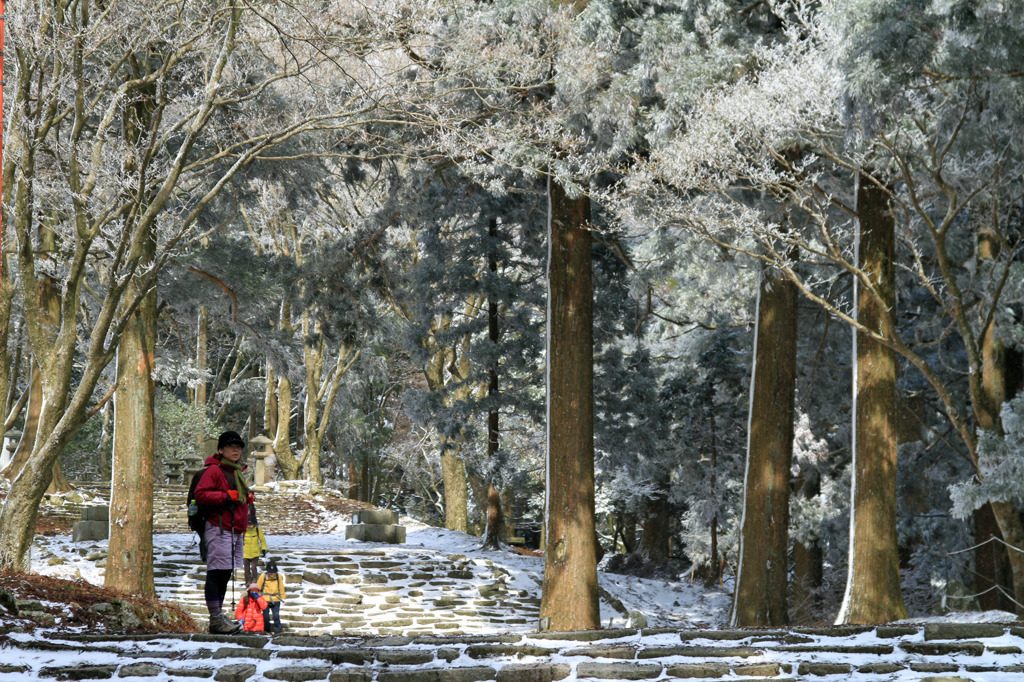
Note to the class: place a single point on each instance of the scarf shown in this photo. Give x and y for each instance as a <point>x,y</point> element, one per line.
<point>240,485</point>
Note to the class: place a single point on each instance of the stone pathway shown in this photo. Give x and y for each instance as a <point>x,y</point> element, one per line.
<point>404,590</point>
<point>943,652</point>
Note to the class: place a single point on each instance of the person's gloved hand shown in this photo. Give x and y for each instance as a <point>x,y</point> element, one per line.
<point>233,495</point>
<point>263,552</point>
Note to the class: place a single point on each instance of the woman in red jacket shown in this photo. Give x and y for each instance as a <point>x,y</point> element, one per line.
<point>222,495</point>
<point>250,609</point>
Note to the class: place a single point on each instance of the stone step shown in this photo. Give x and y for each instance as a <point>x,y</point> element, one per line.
<point>592,655</point>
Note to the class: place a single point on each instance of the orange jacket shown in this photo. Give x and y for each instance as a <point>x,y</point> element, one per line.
<point>252,611</point>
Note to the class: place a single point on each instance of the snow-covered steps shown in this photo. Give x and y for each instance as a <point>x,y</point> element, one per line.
<point>979,652</point>
<point>366,591</point>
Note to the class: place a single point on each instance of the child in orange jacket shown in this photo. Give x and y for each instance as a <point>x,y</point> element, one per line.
<point>250,610</point>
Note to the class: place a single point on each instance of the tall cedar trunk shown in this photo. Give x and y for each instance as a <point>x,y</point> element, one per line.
<point>990,561</point>
<point>313,353</point>
<point>202,327</point>
<point>808,561</point>
<point>715,574</point>
<point>656,519</point>
<point>353,481</point>
<point>130,556</point>
<point>453,467</point>
<point>286,461</point>
<point>761,579</point>
<point>8,374</point>
<point>270,403</point>
<point>33,410</point>
<point>570,595</point>
<point>991,556</point>
<point>873,579</point>
<point>495,519</point>
<point>629,541</point>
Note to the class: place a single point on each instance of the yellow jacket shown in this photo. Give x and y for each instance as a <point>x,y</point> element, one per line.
<point>272,589</point>
<point>255,542</point>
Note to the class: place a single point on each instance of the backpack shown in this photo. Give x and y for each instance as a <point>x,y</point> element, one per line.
<point>196,513</point>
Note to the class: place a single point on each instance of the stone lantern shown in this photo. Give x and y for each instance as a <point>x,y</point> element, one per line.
<point>8,447</point>
<point>260,448</point>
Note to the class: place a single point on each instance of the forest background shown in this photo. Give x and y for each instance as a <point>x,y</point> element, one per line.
<point>732,287</point>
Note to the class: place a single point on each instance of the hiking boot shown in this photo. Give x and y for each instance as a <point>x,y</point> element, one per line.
<point>221,625</point>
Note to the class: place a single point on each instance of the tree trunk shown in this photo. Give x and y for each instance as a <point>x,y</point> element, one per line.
<point>494,531</point>
<point>456,494</point>
<point>270,403</point>
<point>873,580</point>
<point>286,460</point>
<point>8,374</point>
<point>991,556</point>
<point>202,327</point>
<point>761,580</point>
<point>570,594</point>
<point>130,555</point>
<point>313,354</point>
<point>808,562</point>
<point>655,522</point>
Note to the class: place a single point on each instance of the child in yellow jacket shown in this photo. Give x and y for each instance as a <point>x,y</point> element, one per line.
<point>255,546</point>
<point>271,584</point>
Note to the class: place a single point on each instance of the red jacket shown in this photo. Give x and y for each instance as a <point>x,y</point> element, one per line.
<point>212,493</point>
<point>252,611</point>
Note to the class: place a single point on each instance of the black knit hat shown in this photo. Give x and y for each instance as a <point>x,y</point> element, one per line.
<point>229,438</point>
<point>271,566</point>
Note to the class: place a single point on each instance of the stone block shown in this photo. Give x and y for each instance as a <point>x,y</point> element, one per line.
<point>604,651</point>
<point>404,656</point>
<point>297,673</point>
<point>619,671</point>
<point>962,630</point>
<point>582,635</point>
<point>822,669</point>
<point>317,578</point>
<point>380,517</point>
<point>238,652</point>
<point>504,650</point>
<point>943,648</point>
<point>371,532</point>
<point>892,631</point>
<point>86,531</point>
<point>82,672</point>
<point>238,672</point>
<point>533,672</point>
<point>699,651</point>
<point>351,676</point>
<point>880,668</point>
<point>468,674</point>
<point>139,670</point>
<point>96,512</point>
<point>758,670</point>
<point>698,670</point>
<point>175,673</point>
<point>934,667</point>
<point>335,656</point>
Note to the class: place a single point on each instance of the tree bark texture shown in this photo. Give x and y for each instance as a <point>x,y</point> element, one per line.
<point>286,461</point>
<point>130,556</point>
<point>570,595</point>
<point>495,528</point>
<point>808,562</point>
<point>202,330</point>
<point>270,403</point>
<point>762,577</point>
<point>873,581</point>
<point>656,523</point>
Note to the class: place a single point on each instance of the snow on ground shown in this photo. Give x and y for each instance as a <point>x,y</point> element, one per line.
<point>680,605</point>
<point>663,604</point>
